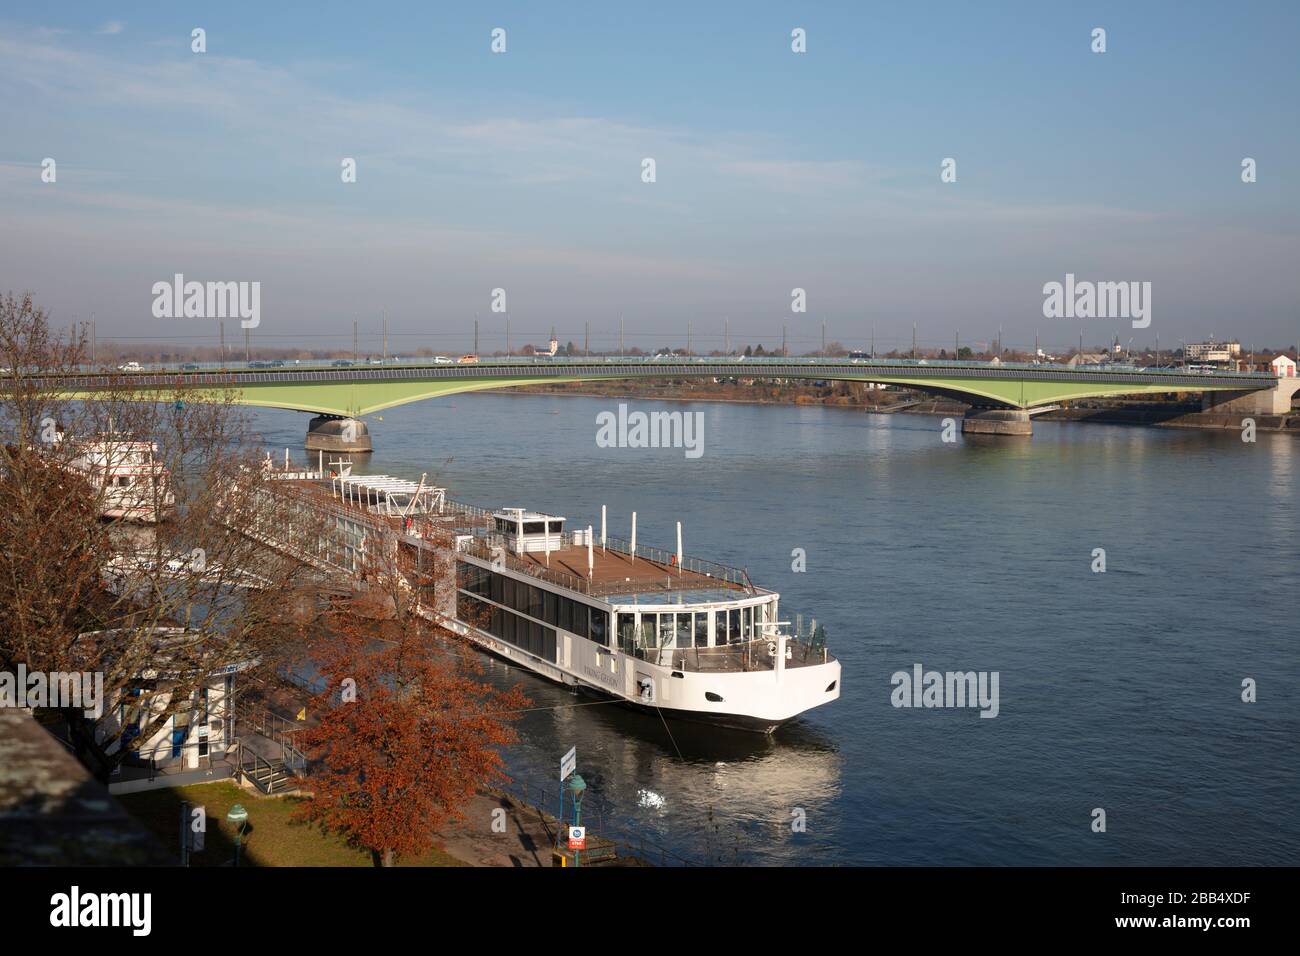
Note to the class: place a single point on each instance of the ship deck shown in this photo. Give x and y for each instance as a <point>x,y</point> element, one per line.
<point>614,572</point>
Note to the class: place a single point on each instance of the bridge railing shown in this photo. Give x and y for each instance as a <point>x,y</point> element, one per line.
<point>739,363</point>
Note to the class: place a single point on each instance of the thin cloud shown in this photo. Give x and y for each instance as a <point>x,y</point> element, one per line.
<point>112,28</point>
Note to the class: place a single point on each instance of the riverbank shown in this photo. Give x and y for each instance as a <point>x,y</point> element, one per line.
<point>498,829</point>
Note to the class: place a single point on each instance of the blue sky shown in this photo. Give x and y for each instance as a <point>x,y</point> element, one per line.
<point>774,170</point>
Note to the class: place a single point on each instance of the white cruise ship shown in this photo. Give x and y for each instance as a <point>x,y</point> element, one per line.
<point>691,638</point>
<point>662,631</point>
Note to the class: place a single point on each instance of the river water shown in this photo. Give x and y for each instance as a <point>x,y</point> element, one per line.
<point>1119,690</point>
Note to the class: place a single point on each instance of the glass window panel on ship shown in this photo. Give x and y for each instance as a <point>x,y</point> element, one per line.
<point>649,632</point>
<point>684,629</point>
<point>527,635</point>
<point>600,627</point>
<point>627,633</point>
<point>666,630</point>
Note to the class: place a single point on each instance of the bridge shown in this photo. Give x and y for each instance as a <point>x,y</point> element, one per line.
<point>1003,395</point>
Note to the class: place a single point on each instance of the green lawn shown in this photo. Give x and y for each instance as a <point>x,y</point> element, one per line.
<point>271,838</point>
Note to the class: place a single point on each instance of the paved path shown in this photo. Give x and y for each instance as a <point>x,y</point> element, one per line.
<point>526,841</point>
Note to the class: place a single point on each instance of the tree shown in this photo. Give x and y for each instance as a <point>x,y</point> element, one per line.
<point>405,734</point>
<point>79,593</point>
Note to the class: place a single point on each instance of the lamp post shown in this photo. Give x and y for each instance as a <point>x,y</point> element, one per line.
<point>238,816</point>
<point>577,787</point>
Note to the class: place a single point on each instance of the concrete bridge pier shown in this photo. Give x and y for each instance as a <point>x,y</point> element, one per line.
<point>1271,401</point>
<point>336,433</point>
<point>997,421</point>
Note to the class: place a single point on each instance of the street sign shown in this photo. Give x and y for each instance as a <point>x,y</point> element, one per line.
<point>577,838</point>
<point>568,763</point>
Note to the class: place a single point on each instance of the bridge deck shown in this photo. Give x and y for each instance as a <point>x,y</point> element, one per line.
<point>365,389</point>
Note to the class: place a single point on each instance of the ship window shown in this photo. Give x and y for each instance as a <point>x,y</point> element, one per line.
<point>719,628</point>
<point>733,626</point>
<point>579,619</point>
<point>556,527</point>
<point>684,629</point>
<point>565,619</point>
<point>746,619</point>
<point>627,633</point>
<point>702,629</point>
<point>507,591</point>
<point>600,627</point>
<point>710,695</point>
<point>533,527</point>
<point>649,636</point>
<point>497,587</point>
<point>551,612</point>
<point>666,630</point>
<point>535,602</point>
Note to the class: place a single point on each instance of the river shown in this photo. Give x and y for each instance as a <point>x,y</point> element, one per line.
<point>1119,690</point>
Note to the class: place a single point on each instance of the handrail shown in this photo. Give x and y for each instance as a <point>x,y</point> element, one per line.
<point>324,371</point>
<point>276,728</point>
<point>260,763</point>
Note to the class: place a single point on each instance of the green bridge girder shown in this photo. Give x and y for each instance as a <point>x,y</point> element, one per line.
<point>365,390</point>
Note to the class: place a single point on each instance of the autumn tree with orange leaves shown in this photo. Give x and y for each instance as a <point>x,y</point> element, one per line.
<point>403,733</point>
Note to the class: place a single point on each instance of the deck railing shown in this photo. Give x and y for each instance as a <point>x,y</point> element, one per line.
<point>805,644</point>
<point>489,545</point>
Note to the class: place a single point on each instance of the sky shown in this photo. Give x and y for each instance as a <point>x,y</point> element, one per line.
<point>774,170</point>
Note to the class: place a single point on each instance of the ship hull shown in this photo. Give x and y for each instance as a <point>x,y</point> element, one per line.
<point>827,674</point>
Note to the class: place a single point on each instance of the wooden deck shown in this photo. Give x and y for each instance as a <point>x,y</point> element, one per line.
<point>614,571</point>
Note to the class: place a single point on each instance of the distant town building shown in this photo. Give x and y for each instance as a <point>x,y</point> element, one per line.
<point>1213,351</point>
<point>1284,366</point>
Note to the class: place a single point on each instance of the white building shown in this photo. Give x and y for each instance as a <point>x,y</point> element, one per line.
<point>1284,366</point>
<point>190,739</point>
<point>1213,351</point>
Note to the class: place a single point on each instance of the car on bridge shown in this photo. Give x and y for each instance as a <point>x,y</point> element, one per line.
<point>130,367</point>
<point>189,366</point>
<point>341,363</point>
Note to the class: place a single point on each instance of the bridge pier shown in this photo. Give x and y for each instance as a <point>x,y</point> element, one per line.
<point>997,421</point>
<point>335,433</point>
<point>1272,401</point>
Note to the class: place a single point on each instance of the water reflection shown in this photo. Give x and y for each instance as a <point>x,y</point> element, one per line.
<point>689,787</point>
